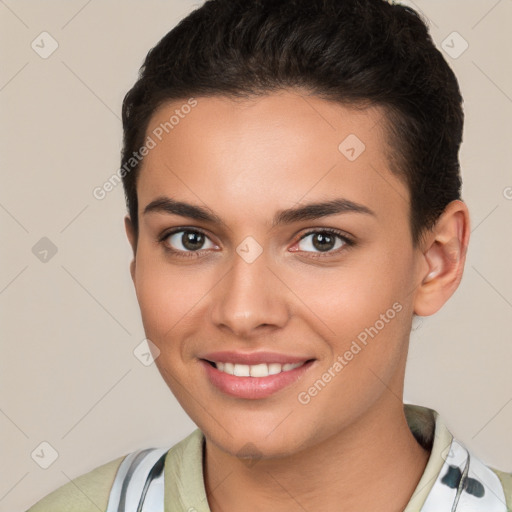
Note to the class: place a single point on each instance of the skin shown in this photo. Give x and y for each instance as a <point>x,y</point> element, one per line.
<point>245,161</point>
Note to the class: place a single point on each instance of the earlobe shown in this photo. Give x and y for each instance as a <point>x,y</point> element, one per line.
<point>443,259</point>
<point>132,239</point>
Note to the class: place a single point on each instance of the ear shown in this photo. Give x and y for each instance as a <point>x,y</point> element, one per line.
<point>444,255</point>
<point>132,238</point>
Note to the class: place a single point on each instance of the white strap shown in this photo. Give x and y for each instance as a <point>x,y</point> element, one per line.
<point>139,482</point>
<point>154,500</point>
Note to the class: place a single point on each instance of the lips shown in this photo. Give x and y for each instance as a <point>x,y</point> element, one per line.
<point>253,375</point>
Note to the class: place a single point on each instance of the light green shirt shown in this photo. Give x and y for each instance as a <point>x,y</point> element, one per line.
<point>183,473</point>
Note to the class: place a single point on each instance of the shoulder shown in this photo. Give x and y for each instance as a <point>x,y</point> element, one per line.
<point>506,482</point>
<point>88,492</point>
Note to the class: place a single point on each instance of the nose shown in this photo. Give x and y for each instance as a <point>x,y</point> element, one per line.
<point>250,299</point>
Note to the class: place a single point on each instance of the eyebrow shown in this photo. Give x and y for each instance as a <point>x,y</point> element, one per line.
<point>290,215</point>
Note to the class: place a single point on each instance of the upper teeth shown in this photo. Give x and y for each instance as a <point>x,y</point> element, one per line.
<point>255,370</point>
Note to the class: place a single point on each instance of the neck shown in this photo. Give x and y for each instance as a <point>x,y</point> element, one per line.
<point>374,464</point>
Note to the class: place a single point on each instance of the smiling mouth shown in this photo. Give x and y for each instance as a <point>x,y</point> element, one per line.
<point>255,370</point>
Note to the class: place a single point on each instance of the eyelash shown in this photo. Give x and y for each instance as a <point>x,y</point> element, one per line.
<point>348,242</point>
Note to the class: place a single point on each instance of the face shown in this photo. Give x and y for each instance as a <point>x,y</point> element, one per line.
<point>236,271</point>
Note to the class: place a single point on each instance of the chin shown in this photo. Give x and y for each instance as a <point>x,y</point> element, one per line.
<point>255,443</point>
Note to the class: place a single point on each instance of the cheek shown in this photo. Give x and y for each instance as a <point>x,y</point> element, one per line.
<point>378,310</point>
<point>353,295</point>
<point>364,310</point>
<point>367,315</point>
<point>166,297</point>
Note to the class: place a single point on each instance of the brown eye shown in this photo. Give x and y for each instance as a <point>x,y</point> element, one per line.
<point>322,241</point>
<point>188,240</point>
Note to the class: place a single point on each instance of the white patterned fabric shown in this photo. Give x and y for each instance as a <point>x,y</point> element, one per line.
<point>465,484</point>
<point>139,483</point>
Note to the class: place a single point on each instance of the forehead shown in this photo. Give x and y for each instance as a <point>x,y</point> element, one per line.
<point>268,153</point>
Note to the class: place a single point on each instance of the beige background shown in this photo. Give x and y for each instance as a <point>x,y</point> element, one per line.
<point>70,325</point>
